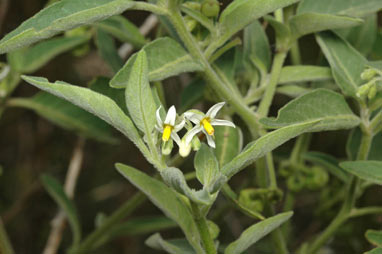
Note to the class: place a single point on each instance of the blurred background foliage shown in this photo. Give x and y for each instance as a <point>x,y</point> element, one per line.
<point>31,146</point>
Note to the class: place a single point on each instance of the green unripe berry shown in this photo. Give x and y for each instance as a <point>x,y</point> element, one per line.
<point>372,92</point>
<point>167,147</point>
<point>296,183</point>
<point>210,8</point>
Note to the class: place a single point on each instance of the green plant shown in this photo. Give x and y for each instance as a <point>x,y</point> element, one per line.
<point>342,93</point>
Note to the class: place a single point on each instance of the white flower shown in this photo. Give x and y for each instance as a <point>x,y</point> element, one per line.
<point>168,127</point>
<point>205,123</point>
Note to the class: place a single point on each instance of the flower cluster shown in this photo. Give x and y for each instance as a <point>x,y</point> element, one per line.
<point>202,123</point>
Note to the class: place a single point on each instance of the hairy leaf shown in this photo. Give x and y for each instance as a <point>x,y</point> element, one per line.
<point>254,233</point>
<point>107,50</point>
<point>61,16</point>
<point>166,200</point>
<point>175,246</point>
<point>304,73</point>
<point>206,165</point>
<point>166,58</point>
<point>229,142</point>
<point>329,107</point>
<point>366,170</point>
<point>374,237</point>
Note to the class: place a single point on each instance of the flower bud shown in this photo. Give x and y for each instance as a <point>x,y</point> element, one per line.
<point>372,92</point>
<point>184,149</point>
<point>210,8</point>
<point>195,143</point>
<point>167,147</point>
<point>368,74</point>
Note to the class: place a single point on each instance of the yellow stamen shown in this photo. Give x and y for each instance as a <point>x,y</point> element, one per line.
<point>207,126</point>
<point>167,132</point>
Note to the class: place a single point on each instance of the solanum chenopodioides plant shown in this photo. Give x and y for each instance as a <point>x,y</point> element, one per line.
<point>202,38</point>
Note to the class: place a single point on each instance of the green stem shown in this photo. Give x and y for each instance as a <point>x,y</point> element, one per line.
<point>295,53</point>
<point>365,211</point>
<point>142,6</point>
<point>277,65</point>
<point>201,223</point>
<point>126,209</point>
<point>300,147</point>
<point>224,90</point>
<point>5,245</point>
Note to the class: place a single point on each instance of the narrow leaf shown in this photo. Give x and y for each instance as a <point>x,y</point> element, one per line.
<point>265,144</point>
<point>93,102</point>
<point>311,22</point>
<point>28,60</point>
<point>254,233</point>
<point>56,191</point>
<point>341,57</point>
<point>366,170</point>
<point>241,13</point>
<point>304,73</point>
<point>66,115</point>
<point>374,251</point>
<point>60,16</point>
<point>229,142</point>
<point>108,51</point>
<point>165,57</point>
<point>122,29</point>
<point>166,200</point>
<point>329,107</point>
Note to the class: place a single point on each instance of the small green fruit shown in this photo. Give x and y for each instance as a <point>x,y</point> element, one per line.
<point>210,8</point>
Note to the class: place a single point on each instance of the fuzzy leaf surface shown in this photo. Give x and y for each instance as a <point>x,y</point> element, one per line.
<point>304,73</point>
<point>366,170</point>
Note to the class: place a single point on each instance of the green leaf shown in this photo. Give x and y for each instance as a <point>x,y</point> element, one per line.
<point>374,237</point>
<point>122,29</point>
<point>56,191</point>
<point>198,16</point>
<point>176,246</point>
<point>341,57</point>
<point>241,13</point>
<point>61,16</point>
<point>310,22</point>
<point>357,35</point>
<point>329,107</point>
<point>293,90</point>
<point>229,142</point>
<point>255,232</point>
<point>139,99</point>
<point>256,43</point>
<point>265,144</point>
<point>107,50</point>
<point>366,170</point>
<point>93,102</point>
<point>66,115</point>
<point>206,165</point>
<point>329,162</point>
<point>304,73</point>
<point>374,251</point>
<point>142,225</point>
<point>165,199</point>
<point>283,33</point>
<point>340,7</point>
<point>28,60</point>
<point>166,58</point>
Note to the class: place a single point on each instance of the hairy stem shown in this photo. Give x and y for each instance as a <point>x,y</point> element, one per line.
<point>201,223</point>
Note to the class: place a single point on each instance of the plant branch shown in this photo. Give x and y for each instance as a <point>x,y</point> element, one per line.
<point>5,244</point>
<point>201,223</point>
<point>58,223</point>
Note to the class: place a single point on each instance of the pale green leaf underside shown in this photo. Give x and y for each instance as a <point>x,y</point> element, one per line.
<point>93,102</point>
<point>166,58</point>
<point>374,251</point>
<point>28,60</point>
<point>355,8</point>
<point>374,237</point>
<point>60,16</point>
<point>56,191</point>
<point>347,64</point>
<point>326,106</point>
<point>176,246</point>
<point>166,200</point>
<point>304,73</point>
<point>254,233</point>
<point>241,13</point>
<point>310,22</point>
<point>66,115</point>
<point>229,142</point>
<point>366,170</point>
<point>265,144</point>
<point>206,165</point>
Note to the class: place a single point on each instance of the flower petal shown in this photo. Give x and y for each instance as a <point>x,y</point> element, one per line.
<point>210,141</point>
<point>171,116</point>
<point>194,117</point>
<point>175,137</point>
<point>179,126</point>
<point>219,122</point>
<point>212,112</point>
<point>159,120</point>
<point>192,133</point>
